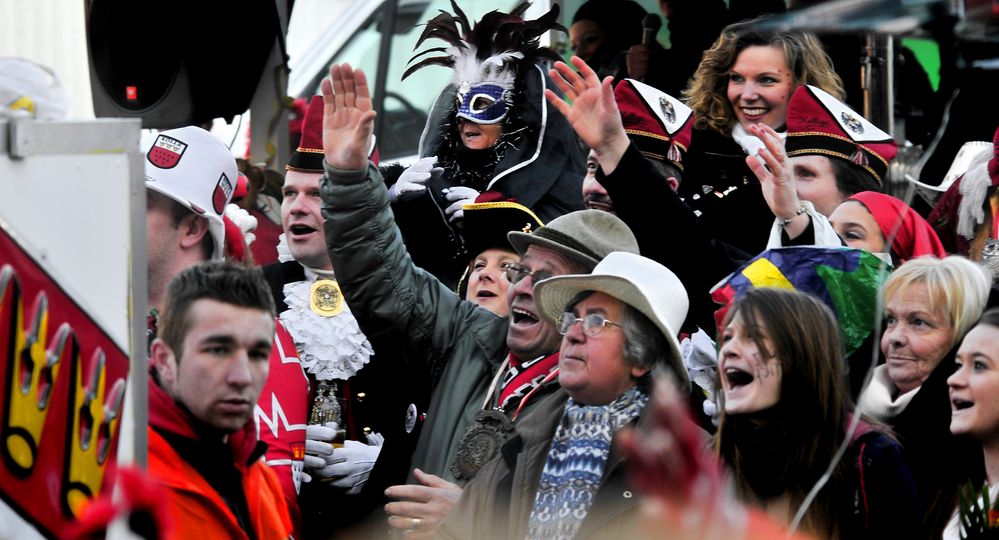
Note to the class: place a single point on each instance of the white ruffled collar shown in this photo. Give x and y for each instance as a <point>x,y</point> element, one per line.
<point>329,347</point>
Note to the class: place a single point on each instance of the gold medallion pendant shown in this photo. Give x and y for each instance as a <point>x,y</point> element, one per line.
<point>326,300</point>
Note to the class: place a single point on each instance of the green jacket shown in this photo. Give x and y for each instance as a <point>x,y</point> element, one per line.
<point>461,343</point>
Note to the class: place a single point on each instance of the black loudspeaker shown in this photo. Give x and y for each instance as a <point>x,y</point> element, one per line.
<point>177,63</point>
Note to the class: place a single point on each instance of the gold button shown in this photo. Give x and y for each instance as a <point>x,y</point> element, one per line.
<point>367,431</point>
<point>361,396</point>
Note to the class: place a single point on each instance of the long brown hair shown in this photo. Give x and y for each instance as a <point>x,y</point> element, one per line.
<point>707,93</point>
<point>812,408</point>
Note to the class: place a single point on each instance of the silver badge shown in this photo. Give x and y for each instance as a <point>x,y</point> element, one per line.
<point>990,255</point>
<point>411,415</point>
<point>852,122</point>
<point>667,108</point>
<point>464,88</point>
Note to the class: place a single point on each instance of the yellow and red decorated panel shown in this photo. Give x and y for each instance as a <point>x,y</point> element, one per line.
<point>63,383</point>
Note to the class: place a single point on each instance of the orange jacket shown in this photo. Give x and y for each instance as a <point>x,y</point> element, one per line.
<point>196,509</point>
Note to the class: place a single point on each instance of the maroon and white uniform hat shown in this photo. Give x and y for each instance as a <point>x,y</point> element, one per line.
<point>820,124</point>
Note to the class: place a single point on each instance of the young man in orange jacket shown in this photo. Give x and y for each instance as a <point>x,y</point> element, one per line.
<point>207,369</point>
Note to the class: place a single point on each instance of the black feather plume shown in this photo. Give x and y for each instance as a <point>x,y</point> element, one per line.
<point>496,32</point>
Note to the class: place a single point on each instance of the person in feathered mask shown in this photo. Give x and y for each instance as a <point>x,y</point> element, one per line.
<point>490,134</point>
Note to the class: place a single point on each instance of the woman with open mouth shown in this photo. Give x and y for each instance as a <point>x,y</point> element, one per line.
<point>486,226</point>
<point>974,399</point>
<point>929,305</point>
<point>786,412</point>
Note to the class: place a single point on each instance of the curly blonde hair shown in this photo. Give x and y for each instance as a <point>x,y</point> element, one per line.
<point>803,53</point>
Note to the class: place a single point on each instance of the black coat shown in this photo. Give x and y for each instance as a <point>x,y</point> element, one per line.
<point>940,461</point>
<point>543,171</point>
<point>376,399</point>
<point>669,233</point>
<point>718,184</point>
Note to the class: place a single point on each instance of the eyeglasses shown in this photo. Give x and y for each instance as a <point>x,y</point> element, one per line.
<point>516,272</point>
<point>593,324</point>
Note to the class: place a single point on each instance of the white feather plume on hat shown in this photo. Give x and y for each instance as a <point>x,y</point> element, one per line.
<point>499,69</point>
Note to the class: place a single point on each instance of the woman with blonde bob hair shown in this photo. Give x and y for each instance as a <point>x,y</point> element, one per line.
<point>930,304</point>
<point>746,78</point>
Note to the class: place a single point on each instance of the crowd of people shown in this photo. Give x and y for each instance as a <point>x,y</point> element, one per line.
<point>606,287</point>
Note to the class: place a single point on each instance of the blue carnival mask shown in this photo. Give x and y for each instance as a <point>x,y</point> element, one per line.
<point>483,103</point>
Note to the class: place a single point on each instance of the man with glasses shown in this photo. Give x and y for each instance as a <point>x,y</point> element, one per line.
<point>486,370</point>
<point>561,476</point>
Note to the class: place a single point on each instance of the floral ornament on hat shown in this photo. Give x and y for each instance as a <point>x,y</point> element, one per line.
<point>486,58</point>
<point>659,124</point>
<point>818,123</point>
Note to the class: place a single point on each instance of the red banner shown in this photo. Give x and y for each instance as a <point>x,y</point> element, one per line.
<point>63,386</point>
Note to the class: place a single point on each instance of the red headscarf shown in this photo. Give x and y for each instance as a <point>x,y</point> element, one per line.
<point>914,238</point>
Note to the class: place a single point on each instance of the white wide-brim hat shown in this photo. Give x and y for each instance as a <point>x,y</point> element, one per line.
<point>196,169</point>
<point>640,282</point>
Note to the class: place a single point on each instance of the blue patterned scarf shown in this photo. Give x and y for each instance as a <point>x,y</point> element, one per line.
<point>576,462</point>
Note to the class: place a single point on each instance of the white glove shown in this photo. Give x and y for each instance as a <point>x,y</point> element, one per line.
<point>413,181</point>
<point>700,356</point>
<point>319,451</point>
<point>351,465</point>
<point>375,439</point>
<point>459,196</point>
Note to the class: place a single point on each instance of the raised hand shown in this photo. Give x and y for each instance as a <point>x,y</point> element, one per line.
<point>593,113</point>
<point>348,120</point>
<point>772,168</point>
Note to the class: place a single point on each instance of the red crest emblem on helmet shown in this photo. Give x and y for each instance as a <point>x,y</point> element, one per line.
<point>222,191</point>
<point>166,152</point>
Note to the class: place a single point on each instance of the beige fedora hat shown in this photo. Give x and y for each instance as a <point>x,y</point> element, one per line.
<point>637,281</point>
<point>585,236</point>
